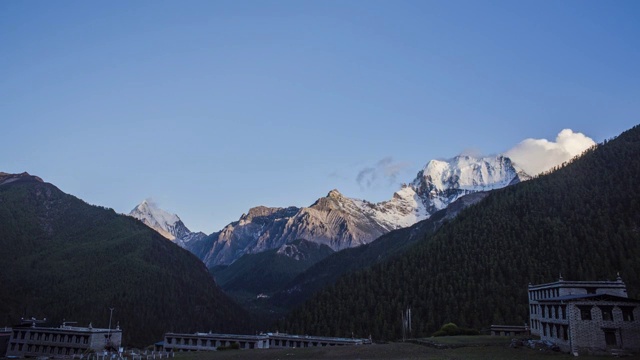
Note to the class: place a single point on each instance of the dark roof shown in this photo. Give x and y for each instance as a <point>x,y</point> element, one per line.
<point>595,297</point>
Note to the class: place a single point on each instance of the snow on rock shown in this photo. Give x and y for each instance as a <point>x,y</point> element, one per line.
<point>442,182</point>
<point>166,224</point>
<point>341,222</point>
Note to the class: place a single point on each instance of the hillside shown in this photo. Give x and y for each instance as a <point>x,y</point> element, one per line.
<point>254,278</point>
<point>582,220</point>
<point>269,270</point>
<point>394,243</point>
<point>64,259</point>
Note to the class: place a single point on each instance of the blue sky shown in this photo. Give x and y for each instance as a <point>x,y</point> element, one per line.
<point>213,107</point>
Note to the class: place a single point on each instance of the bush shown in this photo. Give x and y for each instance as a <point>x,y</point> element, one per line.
<point>451,329</point>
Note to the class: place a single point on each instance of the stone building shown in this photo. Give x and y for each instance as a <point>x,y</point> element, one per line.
<point>584,316</point>
<point>209,341</point>
<point>509,330</point>
<point>63,341</point>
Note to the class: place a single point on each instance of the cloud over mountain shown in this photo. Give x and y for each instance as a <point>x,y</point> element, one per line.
<point>538,155</point>
<point>385,170</point>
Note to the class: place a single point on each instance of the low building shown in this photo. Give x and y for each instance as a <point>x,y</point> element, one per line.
<point>210,341</point>
<point>581,316</point>
<point>509,330</point>
<point>280,340</point>
<point>63,341</point>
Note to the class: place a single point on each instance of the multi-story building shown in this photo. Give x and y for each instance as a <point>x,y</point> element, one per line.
<point>585,315</point>
<point>63,341</point>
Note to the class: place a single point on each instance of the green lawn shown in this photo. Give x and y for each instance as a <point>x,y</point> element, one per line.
<point>386,351</point>
<point>467,340</point>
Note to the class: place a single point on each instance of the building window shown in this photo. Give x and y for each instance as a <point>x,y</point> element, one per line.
<point>565,332</point>
<point>627,313</point>
<point>607,314</point>
<point>585,312</point>
<point>564,311</point>
<point>610,337</point>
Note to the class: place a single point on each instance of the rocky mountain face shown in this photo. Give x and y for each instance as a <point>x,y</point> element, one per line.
<point>335,220</point>
<point>328,270</point>
<point>166,224</point>
<point>341,222</point>
<point>6,178</point>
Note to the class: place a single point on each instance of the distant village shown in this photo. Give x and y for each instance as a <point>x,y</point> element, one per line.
<point>577,317</point>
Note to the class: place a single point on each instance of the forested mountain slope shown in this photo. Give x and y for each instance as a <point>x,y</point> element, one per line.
<point>64,259</point>
<point>394,243</point>
<point>582,220</point>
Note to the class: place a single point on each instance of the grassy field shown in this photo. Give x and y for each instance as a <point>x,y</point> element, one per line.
<point>387,351</point>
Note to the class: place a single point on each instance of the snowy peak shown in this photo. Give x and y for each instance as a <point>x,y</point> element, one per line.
<point>166,224</point>
<point>467,173</point>
<point>442,182</point>
<point>340,222</point>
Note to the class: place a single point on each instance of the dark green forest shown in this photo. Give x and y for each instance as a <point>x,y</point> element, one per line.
<point>265,273</point>
<point>581,220</point>
<point>64,259</point>
<point>268,271</point>
<point>394,243</point>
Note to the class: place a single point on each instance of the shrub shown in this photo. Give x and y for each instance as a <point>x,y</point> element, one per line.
<point>451,329</point>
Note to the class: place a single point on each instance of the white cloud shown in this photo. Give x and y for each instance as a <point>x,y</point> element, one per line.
<point>386,170</point>
<point>538,155</point>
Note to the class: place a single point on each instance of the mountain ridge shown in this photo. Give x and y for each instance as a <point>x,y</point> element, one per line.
<point>582,220</point>
<point>342,222</point>
<point>63,258</point>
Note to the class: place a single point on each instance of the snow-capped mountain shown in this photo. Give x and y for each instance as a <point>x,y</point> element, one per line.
<point>442,182</point>
<point>341,222</point>
<point>166,224</point>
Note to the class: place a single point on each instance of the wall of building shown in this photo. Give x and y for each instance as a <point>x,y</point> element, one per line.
<point>589,335</point>
<point>59,342</point>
